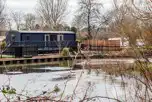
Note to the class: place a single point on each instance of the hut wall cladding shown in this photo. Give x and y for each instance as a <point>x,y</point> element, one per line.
<point>105,45</point>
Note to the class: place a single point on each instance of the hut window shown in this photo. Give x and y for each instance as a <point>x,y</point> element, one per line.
<point>27,38</point>
<point>13,37</point>
<point>60,38</point>
<point>52,37</point>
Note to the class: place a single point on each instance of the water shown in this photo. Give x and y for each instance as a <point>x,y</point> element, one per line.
<point>64,65</point>
<point>39,79</point>
<point>33,84</point>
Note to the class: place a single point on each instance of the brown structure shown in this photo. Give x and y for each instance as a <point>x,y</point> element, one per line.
<point>102,45</point>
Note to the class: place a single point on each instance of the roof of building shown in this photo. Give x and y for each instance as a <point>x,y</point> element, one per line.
<point>67,32</point>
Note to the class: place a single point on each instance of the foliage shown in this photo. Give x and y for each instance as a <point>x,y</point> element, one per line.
<point>3,45</point>
<point>65,52</point>
<point>74,29</point>
<point>56,89</point>
<point>8,90</point>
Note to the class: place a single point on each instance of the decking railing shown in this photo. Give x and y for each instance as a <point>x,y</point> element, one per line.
<point>46,44</point>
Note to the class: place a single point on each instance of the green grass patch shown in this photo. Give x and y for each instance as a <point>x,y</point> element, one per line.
<point>8,56</point>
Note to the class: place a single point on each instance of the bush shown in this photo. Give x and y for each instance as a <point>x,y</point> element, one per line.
<point>8,90</point>
<point>65,52</point>
<point>56,89</point>
<point>3,45</point>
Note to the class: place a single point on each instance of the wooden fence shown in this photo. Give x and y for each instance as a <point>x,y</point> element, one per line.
<point>101,45</point>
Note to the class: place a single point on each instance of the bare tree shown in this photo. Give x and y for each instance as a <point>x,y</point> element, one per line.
<point>77,22</point>
<point>89,11</point>
<point>2,18</point>
<point>143,12</point>
<point>29,21</point>
<point>52,12</point>
<point>124,24</point>
<point>17,18</point>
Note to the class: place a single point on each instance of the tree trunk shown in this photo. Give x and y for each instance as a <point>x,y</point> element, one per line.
<point>89,26</point>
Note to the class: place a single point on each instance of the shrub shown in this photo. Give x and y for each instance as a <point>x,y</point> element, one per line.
<point>65,52</point>
<point>3,45</point>
<point>56,89</point>
<point>8,90</point>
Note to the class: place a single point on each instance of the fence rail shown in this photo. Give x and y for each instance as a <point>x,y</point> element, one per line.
<point>45,43</point>
<point>33,47</point>
<point>101,48</point>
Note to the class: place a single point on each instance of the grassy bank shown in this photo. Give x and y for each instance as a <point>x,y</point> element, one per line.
<point>7,56</point>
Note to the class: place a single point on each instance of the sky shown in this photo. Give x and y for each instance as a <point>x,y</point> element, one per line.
<point>28,6</point>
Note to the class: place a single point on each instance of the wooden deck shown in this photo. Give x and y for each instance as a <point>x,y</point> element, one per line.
<point>34,60</point>
<point>47,59</point>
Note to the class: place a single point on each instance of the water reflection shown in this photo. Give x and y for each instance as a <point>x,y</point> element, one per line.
<point>40,80</point>
<point>34,84</point>
<point>65,65</point>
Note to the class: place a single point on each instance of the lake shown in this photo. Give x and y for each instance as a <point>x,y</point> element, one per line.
<point>38,80</point>
<point>33,84</point>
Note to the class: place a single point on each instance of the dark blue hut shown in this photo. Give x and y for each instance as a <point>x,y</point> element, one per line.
<point>39,41</point>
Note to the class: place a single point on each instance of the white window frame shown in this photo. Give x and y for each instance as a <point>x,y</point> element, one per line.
<point>60,37</point>
<point>45,38</point>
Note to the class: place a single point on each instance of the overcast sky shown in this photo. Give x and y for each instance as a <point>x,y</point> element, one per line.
<point>28,6</point>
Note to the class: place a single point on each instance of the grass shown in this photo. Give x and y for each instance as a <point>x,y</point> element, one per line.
<point>8,56</point>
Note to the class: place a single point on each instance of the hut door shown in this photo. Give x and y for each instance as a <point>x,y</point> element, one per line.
<point>47,39</point>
